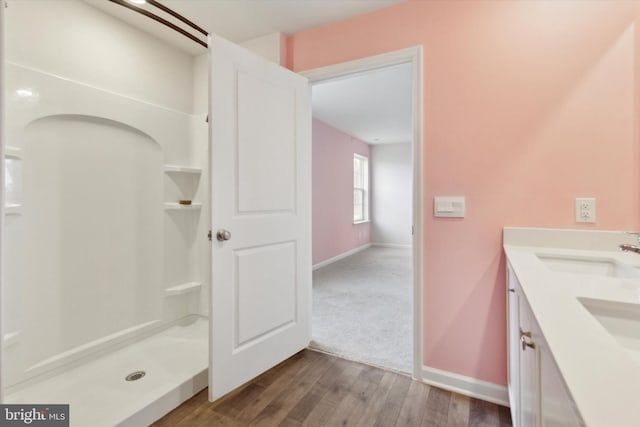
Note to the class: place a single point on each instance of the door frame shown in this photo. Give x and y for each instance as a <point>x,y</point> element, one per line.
<point>411,55</point>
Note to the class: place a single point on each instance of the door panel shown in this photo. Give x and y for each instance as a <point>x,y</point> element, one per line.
<point>266,277</point>
<point>266,145</point>
<point>260,148</point>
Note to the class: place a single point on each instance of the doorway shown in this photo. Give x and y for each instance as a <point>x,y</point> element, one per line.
<point>367,215</point>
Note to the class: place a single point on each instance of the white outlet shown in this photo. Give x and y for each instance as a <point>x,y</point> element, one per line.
<point>586,209</point>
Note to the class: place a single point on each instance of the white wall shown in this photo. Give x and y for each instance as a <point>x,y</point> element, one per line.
<point>85,44</point>
<point>391,193</point>
<point>270,46</point>
<point>201,84</point>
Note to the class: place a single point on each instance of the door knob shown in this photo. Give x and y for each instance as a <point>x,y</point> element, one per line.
<point>223,235</point>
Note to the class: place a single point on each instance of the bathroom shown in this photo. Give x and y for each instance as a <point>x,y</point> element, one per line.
<point>523,108</point>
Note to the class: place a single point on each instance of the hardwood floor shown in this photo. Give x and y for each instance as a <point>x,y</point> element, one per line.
<point>315,389</point>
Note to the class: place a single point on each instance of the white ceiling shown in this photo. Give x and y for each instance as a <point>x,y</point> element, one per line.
<point>374,107</point>
<point>242,20</point>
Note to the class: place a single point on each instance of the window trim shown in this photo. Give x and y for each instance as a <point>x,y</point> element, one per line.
<point>366,217</point>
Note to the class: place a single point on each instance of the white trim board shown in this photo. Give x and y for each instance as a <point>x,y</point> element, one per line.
<point>411,55</point>
<point>467,386</point>
<point>391,245</point>
<point>343,255</point>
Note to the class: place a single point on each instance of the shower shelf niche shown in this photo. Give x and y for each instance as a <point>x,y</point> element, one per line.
<point>178,207</point>
<point>13,152</point>
<point>186,178</point>
<point>181,169</point>
<point>183,288</point>
<point>13,209</point>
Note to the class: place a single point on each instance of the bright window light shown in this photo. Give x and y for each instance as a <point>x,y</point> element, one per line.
<point>360,189</point>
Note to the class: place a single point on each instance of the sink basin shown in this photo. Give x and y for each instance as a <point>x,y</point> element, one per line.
<point>607,267</point>
<point>621,320</point>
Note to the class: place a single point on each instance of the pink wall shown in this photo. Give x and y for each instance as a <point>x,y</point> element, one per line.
<point>333,229</point>
<point>527,105</point>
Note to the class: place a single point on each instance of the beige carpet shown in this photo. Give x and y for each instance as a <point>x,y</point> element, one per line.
<point>362,308</point>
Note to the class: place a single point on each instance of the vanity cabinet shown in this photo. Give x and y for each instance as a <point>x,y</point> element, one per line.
<point>556,405</point>
<point>537,393</point>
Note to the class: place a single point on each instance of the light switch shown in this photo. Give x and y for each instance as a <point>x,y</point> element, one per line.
<point>444,206</point>
<point>449,207</point>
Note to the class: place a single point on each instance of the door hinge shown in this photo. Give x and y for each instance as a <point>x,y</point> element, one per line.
<point>209,235</point>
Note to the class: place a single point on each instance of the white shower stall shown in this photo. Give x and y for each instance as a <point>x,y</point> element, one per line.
<point>117,299</point>
<point>105,269</point>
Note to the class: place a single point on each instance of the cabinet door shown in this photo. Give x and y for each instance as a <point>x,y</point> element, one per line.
<point>513,343</point>
<point>556,405</point>
<point>529,369</point>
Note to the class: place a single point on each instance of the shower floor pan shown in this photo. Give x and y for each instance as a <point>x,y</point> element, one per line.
<point>174,362</point>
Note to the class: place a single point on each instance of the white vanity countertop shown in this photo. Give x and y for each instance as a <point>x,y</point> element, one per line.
<point>601,375</point>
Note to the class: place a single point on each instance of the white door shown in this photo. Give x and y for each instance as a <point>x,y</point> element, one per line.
<point>260,159</point>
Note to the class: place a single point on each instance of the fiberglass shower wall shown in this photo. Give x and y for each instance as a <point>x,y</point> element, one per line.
<point>99,149</point>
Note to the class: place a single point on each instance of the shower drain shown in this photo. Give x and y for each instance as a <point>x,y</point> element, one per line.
<point>134,376</point>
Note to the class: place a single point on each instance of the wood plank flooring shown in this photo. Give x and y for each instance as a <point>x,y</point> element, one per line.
<point>316,389</point>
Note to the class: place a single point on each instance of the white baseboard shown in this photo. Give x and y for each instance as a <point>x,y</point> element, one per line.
<point>341,256</point>
<point>467,386</point>
<point>391,245</point>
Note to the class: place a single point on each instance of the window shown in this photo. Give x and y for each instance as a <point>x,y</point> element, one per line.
<point>360,189</point>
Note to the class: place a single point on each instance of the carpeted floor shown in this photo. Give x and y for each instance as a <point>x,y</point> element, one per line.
<point>362,308</point>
